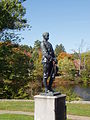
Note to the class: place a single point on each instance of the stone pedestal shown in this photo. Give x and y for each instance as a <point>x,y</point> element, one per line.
<point>50,107</point>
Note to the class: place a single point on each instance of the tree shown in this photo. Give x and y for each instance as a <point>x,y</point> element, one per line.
<point>78,55</point>
<point>62,55</point>
<point>37,44</point>
<point>66,66</point>
<point>9,36</point>
<point>12,15</point>
<point>36,50</point>
<point>59,48</point>
<point>85,72</point>
<point>16,67</point>
<point>26,48</point>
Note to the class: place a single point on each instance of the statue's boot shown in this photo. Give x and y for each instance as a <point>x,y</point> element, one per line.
<point>51,90</point>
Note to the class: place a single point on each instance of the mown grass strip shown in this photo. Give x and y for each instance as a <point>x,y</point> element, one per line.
<point>15,117</point>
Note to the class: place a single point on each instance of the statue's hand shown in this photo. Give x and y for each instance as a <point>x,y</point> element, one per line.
<point>54,63</point>
<point>55,60</point>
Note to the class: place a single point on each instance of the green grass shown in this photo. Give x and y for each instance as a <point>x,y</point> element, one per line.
<point>15,117</point>
<point>78,109</point>
<point>26,106</point>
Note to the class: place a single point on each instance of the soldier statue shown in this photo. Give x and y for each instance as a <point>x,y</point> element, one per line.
<point>49,61</point>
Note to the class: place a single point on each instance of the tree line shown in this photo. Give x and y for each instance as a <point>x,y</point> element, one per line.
<point>21,70</point>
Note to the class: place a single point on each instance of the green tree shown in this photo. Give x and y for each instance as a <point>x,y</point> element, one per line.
<point>15,71</point>
<point>12,15</point>
<point>36,50</point>
<point>66,67</point>
<point>10,36</point>
<point>85,72</point>
<point>26,48</point>
<point>58,49</point>
<point>37,44</point>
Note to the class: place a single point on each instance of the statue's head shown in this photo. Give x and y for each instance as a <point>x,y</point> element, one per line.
<point>46,36</point>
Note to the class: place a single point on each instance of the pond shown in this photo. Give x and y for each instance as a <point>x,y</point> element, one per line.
<point>82,91</point>
<point>75,91</point>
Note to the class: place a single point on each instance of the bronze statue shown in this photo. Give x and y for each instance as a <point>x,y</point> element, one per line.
<point>49,61</point>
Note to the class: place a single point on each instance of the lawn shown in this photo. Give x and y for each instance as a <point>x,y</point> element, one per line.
<point>28,106</point>
<point>78,109</point>
<point>15,117</point>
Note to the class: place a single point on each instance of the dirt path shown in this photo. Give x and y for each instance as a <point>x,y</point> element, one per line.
<point>15,112</point>
<point>75,117</point>
<point>71,117</point>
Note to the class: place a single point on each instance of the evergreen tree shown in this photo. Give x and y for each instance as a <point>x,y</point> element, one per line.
<point>59,48</point>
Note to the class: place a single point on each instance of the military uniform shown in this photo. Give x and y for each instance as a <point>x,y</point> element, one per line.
<point>47,60</point>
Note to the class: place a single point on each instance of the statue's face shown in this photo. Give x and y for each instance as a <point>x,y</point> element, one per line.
<point>46,36</point>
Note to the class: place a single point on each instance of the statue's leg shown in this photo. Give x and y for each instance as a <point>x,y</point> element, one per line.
<point>45,84</point>
<point>52,77</point>
<point>45,76</point>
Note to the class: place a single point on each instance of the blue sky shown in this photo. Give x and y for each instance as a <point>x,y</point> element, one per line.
<point>67,21</point>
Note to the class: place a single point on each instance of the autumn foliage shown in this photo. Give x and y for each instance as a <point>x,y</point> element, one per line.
<point>21,70</point>
<point>62,55</point>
